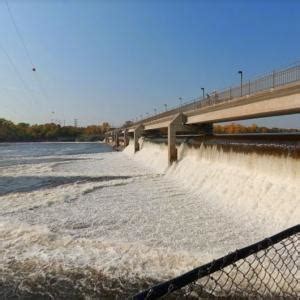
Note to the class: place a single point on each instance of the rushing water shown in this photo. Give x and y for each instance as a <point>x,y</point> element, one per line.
<point>78,220</point>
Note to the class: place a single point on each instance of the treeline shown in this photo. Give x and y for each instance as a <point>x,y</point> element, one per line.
<point>22,132</point>
<point>238,128</point>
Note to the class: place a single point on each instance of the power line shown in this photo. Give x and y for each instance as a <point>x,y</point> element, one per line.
<point>18,31</point>
<point>26,87</point>
<point>19,34</point>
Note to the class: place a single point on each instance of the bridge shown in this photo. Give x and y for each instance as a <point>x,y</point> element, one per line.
<point>274,94</point>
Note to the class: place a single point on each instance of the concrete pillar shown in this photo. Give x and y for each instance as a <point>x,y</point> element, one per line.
<point>117,142</point>
<point>172,150</point>
<point>137,133</point>
<point>177,124</point>
<point>112,137</point>
<point>126,139</point>
<point>108,137</point>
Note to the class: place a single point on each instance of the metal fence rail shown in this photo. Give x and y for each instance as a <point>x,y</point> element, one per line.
<point>264,83</point>
<point>267,269</point>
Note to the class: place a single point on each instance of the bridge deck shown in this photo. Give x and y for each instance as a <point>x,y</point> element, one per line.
<point>278,101</point>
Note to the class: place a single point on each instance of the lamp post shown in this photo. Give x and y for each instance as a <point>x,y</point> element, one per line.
<point>180,102</point>
<point>241,73</point>
<point>203,93</point>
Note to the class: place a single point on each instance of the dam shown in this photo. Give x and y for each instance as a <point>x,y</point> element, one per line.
<point>235,180</point>
<point>274,94</point>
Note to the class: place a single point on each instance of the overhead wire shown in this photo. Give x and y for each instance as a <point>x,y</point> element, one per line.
<point>17,72</point>
<point>22,40</point>
<point>19,33</point>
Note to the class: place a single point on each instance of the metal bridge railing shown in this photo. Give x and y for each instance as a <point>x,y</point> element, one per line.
<point>264,83</point>
<point>265,270</point>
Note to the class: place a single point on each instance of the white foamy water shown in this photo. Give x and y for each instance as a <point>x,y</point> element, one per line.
<point>110,223</point>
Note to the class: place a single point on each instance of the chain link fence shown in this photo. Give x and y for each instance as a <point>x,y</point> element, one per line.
<point>264,270</point>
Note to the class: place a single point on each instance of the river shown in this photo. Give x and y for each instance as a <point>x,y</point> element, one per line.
<point>78,220</point>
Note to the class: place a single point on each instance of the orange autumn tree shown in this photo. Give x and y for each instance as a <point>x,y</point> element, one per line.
<point>234,128</point>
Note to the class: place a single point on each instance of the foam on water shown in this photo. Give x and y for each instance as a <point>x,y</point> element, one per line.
<point>37,253</point>
<point>127,220</point>
<point>265,185</point>
<point>152,155</point>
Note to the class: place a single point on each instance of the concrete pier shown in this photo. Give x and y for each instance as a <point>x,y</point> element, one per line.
<point>137,133</point>
<point>117,141</point>
<point>126,138</point>
<point>175,125</point>
<point>172,150</point>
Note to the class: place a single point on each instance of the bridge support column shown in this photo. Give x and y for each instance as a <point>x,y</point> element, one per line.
<point>175,125</point>
<point>113,137</point>
<point>172,150</point>
<point>116,139</point>
<point>126,139</point>
<point>137,133</point>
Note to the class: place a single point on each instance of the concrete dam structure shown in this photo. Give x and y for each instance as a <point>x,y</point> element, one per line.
<point>230,180</point>
<point>273,95</point>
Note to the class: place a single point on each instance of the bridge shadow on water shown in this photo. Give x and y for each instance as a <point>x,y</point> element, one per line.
<point>21,184</point>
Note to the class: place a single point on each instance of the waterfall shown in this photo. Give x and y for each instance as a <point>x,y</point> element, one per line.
<point>241,183</point>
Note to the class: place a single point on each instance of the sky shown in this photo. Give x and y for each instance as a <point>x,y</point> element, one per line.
<point>111,60</point>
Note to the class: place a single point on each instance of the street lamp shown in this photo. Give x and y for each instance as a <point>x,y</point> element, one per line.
<point>203,93</point>
<point>180,101</point>
<point>241,73</point>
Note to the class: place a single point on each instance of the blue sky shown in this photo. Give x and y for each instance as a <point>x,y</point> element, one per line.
<point>115,60</point>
